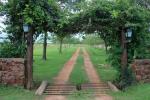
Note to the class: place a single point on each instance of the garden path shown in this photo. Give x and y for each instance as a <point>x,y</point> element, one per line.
<point>93,76</point>
<point>63,76</point>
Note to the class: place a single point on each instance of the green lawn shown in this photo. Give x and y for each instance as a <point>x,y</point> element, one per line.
<point>43,70</point>
<point>137,92</point>
<point>78,74</point>
<point>46,70</point>
<point>99,57</point>
<point>81,96</point>
<point>17,93</point>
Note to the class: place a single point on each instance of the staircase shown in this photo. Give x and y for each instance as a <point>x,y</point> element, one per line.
<point>59,89</point>
<point>68,89</point>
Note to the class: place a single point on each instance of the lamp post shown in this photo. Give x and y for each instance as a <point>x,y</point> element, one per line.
<point>29,57</point>
<point>125,38</point>
<point>129,34</point>
<point>128,38</point>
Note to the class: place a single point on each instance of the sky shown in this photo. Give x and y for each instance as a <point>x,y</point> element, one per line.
<point>2,26</point>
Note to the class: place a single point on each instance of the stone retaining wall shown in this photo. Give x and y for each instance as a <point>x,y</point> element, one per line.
<point>12,71</point>
<point>141,68</point>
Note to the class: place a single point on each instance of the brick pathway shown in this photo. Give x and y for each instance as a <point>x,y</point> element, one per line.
<point>93,76</point>
<point>63,76</point>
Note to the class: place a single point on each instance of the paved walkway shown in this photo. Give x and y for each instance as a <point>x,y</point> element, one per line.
<point>63,76</point>
<point>92,75</point>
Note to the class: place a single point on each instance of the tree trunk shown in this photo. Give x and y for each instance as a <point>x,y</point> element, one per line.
<point>29,61</point>
<point>23,37</point>
<point>106,47</point>
<point>45,46</point>
<point>61,43</point>
<point>124,59</point>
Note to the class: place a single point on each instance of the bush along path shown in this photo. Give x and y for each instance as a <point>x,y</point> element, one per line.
<point>100,92</point>
<point>63,78</point>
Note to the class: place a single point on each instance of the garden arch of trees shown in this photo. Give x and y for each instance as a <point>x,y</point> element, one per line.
<point>109,18</point>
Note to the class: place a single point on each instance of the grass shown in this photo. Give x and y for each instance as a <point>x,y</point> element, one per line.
<point>43,70</point>
<point>46,70</point>
<point>80,96</point>
<point>98,57</point>
<point>78,75</point>
<point>136,92</point>
<point>17,93</point>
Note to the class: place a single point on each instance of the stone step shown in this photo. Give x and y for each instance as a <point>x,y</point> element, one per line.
<point>74,92</point>
<point>68,89</point>
<point>62,88</point>
<point>71,93</point>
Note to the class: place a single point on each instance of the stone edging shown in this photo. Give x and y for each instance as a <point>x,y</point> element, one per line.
<point>42,88</point>
<point>113,87</point>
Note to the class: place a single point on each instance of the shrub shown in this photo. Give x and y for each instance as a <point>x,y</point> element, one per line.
<point>12,50</point>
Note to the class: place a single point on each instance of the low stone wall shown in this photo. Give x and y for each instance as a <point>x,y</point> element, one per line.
<point>141,68</point>
<point>12,71</point>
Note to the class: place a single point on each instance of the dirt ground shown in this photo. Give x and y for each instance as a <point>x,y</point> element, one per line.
<point>93,76</point>
<point>63,76</point>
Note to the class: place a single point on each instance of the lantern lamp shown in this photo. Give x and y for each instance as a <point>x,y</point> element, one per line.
<point>26,27</point>
<point>129,33</point>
